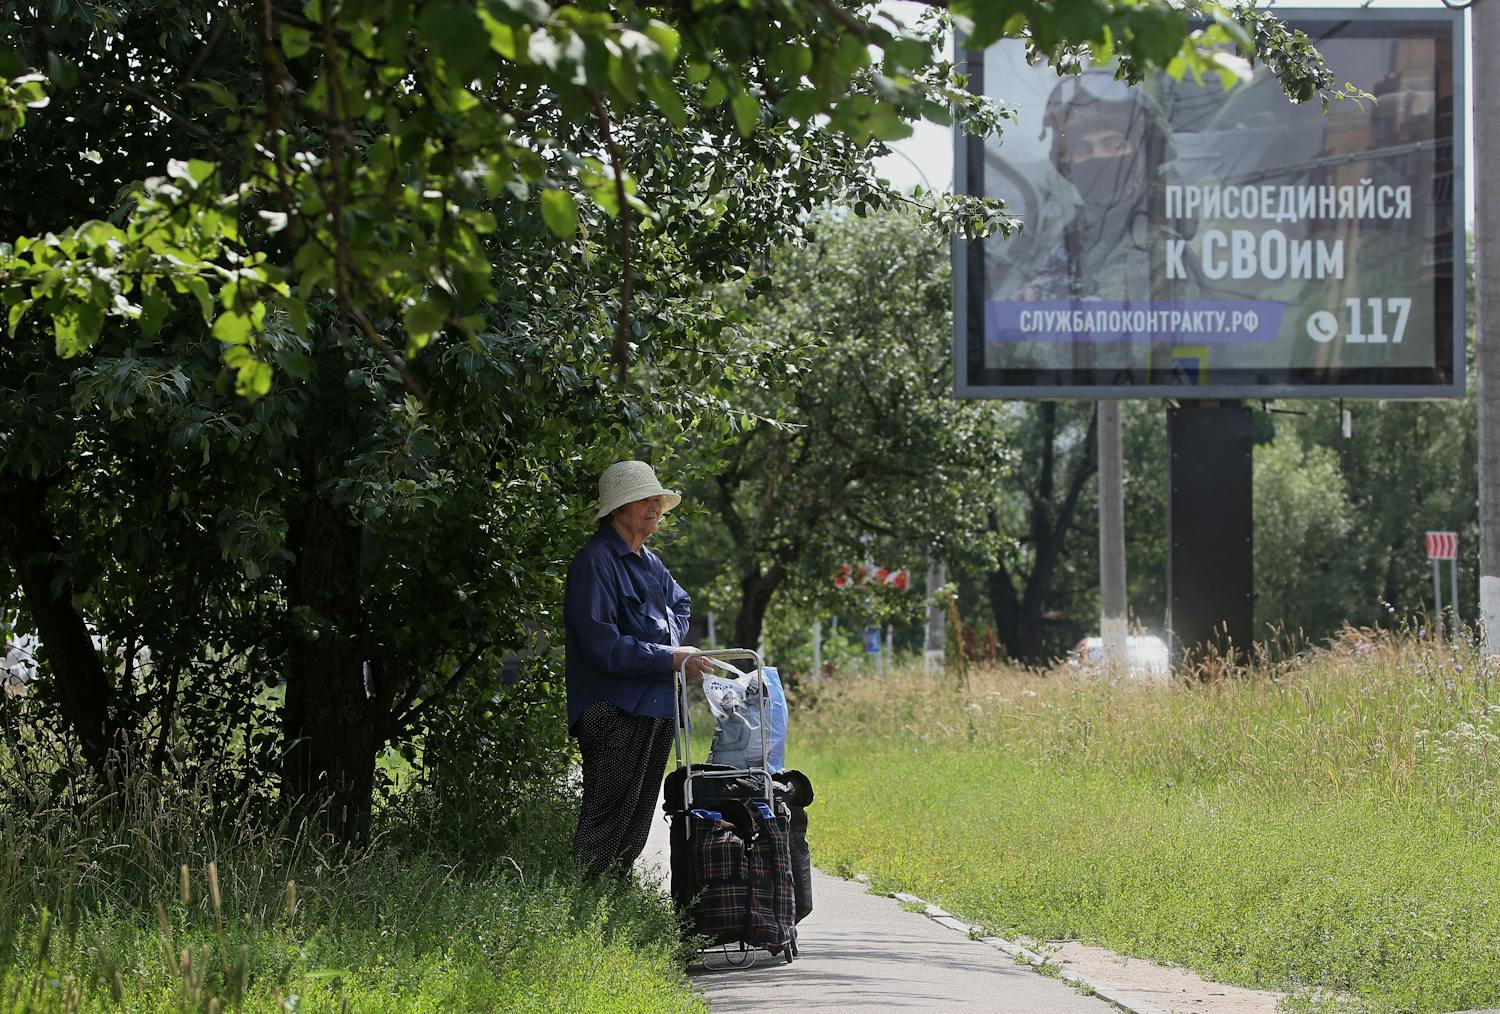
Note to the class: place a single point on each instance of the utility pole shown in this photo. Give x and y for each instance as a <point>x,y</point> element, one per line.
<point>1112,534</point>
<point>1485,25</point>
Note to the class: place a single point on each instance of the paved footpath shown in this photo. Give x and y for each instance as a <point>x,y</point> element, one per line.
<point>866,954</point>
<point>862,953</point>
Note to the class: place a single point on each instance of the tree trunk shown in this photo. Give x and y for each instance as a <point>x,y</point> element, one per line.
<point>756,592</point>
<point>84,692</point>
<point>330,733</point>
<point>1005,607</point>
<point>1019,620</point>
<point>1018,615</point>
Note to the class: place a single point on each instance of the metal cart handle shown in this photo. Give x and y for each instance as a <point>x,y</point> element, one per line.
<point>680,739</point>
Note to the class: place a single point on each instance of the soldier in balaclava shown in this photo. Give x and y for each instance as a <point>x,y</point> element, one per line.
<point>1105,138</point>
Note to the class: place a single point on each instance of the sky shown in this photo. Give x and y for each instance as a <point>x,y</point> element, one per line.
<point>925,158</point>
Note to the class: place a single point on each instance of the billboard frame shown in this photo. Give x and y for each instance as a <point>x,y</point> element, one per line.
<point>968,271</point>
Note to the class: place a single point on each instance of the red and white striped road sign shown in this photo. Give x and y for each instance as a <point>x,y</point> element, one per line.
<point>868,574</point>
<point>1442,545</point>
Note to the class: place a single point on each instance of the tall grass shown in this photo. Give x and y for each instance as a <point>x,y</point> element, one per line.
<point>1325,823</point>
<point>149,897</point>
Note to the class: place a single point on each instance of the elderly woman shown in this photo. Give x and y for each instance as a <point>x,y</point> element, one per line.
<point>625,619</point>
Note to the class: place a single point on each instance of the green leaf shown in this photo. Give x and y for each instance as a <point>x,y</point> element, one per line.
<point>254,380</point>
<point>666,39</point>
<point>502,36</point>
<point>199,288</point>
<point>1235,32</point>
<point>746,112</point>
<point>988,19</point>
<point>217,92</point>
<point>75,327</point>
<point>600,183</point>
<point>886,124</point>
<point>295,42</point>
<point>154,309</point>
<point>17,311</point>
<point>62,73</point>
<point>667,100</point>
<point>455,33</point>
<point>1081,20</point>
<point>295,363</point>
<point>908,54</point>
<point>560,212</point>
<point>790,62</point>
<point>194,170</point>
<point>252,375</point>
<point>232,328</point>
<point>716,92</point>
<point>425,319</point>
<point>1156,33</point>
<point>801,104</point>
<point>851,56</point>
<point>32,94</point>
<point>296,314</point>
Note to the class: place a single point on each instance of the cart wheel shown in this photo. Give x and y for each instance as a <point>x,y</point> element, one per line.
<point>795,953</point>
<point>790,951</point>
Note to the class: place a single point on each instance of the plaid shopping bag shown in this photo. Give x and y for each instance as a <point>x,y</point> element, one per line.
<point>771,916</point>
<point>720,870</point>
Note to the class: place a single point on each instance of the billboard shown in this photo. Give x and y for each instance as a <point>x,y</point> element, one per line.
<point>1184,240</point>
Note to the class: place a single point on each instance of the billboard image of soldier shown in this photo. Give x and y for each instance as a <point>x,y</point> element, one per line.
<point>1106,142</point>
<point>1296,253</point>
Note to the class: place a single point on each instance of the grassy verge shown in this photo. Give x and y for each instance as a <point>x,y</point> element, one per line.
<point>422,939</point>
<point>1327,826</point>
<point>143,903</point>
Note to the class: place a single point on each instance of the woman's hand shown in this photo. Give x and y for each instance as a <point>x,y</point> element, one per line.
<point>690,662</point>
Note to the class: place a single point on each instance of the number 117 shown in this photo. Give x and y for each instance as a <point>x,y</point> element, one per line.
<point>1400,306</point>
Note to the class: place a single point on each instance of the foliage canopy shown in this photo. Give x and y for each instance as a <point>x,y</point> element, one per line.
<point>312,312</point>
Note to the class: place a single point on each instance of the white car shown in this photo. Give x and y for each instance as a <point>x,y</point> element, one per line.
<point>1145,657</point>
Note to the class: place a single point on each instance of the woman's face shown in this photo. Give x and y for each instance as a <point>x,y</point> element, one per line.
<point>640,518</point>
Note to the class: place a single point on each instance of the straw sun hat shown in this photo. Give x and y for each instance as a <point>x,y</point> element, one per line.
<point>627,481</point>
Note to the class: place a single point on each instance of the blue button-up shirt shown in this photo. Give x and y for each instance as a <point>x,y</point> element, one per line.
<point>625,617</point>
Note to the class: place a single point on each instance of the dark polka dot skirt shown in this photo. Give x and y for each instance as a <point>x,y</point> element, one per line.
<point>624,757</point>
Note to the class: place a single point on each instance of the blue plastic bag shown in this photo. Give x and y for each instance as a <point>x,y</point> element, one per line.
<point>776,718</point>
<point>737,732</point>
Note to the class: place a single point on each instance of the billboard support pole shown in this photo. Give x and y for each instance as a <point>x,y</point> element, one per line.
<point>1210,594</point>
<point>1485,22</point>
<point>1112,604</point>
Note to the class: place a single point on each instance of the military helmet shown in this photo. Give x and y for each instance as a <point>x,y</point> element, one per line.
<point>1096,100</point>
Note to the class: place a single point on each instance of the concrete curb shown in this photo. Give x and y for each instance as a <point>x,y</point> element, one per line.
<point>1025,956</point>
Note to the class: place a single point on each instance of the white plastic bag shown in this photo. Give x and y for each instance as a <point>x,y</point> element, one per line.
<point>726,694</point>
<point>734,701</point>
